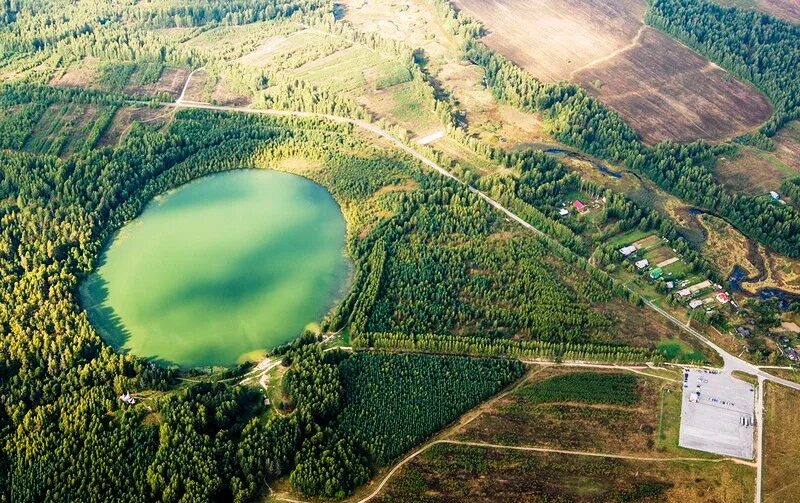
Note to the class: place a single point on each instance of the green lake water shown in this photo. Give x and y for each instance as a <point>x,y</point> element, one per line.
<point>221,268</point>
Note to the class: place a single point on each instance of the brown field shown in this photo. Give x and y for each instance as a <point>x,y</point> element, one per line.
<point>667,92</point>
<point>660,87</point>
<point>781,448</point>
<point>619,429</point>
<point>752,171</point>
<point>557,37</point>
<point>126,116</point>
<point>170,82</point>
<point>786,9</point>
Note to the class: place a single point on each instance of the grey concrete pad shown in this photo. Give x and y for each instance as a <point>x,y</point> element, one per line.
<point>714,422</point>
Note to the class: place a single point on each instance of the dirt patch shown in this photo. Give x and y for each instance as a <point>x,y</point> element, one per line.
<point>170,82</point>
<point>86,74</point>
<point>667,92</point>
<point>495,124</point>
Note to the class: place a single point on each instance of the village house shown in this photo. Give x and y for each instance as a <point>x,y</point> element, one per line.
<point>579,206</point>
<point>641,264</point>
<point>723,297</point>
<point>695,303</point>
<point>626,251</point>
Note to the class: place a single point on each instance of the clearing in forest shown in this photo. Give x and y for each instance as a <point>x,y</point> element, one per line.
<point>752,171</point>
<point>661,88</point>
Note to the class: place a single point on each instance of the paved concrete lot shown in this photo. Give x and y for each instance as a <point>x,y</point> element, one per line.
<point>713,409</point>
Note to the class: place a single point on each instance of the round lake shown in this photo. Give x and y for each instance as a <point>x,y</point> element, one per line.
<point>220,268</point>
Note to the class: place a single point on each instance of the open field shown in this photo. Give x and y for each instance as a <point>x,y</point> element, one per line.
<point>448,472</point>
<point>409,21</point>
<point>660,87</point>
<point>558,37</point>
<point>753,171</point>
<point>612,411</point>
<point>667,92</point>
<point>125,117</point>
<point>786,9</point>
<point>414,23</point>
<point>781,448</point>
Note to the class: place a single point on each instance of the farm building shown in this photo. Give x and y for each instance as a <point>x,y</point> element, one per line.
<point>641,264</point>
<point>695,303</point>
<point>580,206</point>
<point>656,273</point>
<point>627,250</point>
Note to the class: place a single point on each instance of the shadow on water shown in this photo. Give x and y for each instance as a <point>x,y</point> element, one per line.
<point>94,299</point>
<point>93,295</point>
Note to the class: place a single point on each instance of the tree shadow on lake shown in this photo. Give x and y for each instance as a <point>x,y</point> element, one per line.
<point>93,295</point>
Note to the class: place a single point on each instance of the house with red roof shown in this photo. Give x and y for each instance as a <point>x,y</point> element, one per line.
<point>579,206</point>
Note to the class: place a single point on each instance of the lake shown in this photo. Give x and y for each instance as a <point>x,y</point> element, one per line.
<point>221,269</point>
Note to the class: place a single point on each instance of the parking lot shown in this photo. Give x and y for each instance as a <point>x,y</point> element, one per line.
<point>717,413</point>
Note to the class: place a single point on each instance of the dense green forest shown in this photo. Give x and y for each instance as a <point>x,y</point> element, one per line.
<point>392,402</point>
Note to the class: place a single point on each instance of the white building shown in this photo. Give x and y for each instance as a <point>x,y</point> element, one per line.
<point>641,264</point>
<point>695,303</point>
<point>627,250</point>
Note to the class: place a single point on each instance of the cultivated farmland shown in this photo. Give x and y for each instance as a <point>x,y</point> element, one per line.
<point>663,89</point>
<point>786,9</point>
